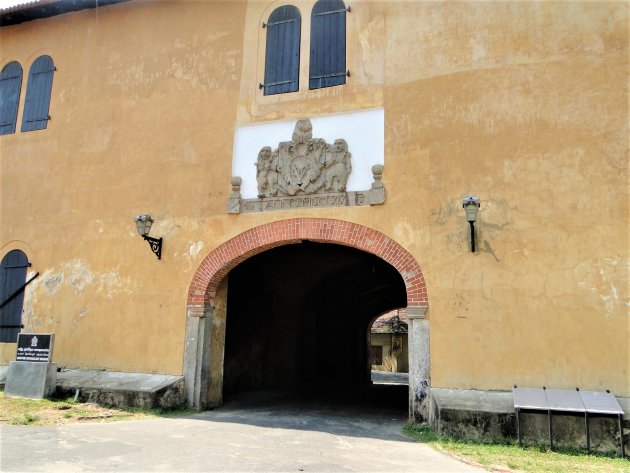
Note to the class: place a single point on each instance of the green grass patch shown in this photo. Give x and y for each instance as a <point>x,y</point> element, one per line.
<point>22,411</point>
<point>493,455</point>
<point>25,419</point>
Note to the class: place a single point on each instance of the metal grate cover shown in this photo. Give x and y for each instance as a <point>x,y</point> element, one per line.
<point>565,400</point>
<point>530,398</point>
<point>600,403</point>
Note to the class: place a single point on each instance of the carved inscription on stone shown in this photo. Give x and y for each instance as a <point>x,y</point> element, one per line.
<point>305,172</point>
<point>279,203</point>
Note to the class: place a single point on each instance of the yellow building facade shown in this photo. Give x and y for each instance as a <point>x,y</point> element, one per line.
<point>523,104</point>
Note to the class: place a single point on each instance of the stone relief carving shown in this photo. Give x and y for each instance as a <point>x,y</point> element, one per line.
<point>267,172</point>
<point>337,166</point>
<point>301,161</point>
<point>303,167</point>
<point>234,201</point>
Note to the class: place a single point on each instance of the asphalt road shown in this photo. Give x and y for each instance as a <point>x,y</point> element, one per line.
<point>253,433</point>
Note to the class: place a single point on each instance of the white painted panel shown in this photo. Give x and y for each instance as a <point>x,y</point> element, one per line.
<point>364,131</point>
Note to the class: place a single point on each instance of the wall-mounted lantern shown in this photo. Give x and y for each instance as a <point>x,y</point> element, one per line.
<point>144,223</point>
<point>471,206</point>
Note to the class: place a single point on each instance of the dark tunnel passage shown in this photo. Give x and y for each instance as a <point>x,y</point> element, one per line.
<point>298,317</point>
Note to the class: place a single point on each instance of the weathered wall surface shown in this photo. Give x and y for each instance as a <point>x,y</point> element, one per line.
<point>143,107</point>
<point>523,104</point>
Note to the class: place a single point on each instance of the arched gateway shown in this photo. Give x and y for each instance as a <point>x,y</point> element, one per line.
<point>224,258</point>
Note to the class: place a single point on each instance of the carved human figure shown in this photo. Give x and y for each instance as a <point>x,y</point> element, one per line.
<point>338,166</point>
<point>266,173</point>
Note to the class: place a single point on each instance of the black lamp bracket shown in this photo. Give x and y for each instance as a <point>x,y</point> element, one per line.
<point>472,236</point>
<point>155,244</point>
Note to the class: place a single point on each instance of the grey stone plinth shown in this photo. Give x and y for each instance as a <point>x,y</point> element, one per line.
<point>490,415</point>
<point>31,379</point>
<point>419,364</point>
<point>111,388</point>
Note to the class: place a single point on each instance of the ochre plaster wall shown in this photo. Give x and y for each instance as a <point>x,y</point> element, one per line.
<point>143,109</point>
<point>524,104</point>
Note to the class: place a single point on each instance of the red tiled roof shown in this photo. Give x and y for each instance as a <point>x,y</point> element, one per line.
<point>395,321</point>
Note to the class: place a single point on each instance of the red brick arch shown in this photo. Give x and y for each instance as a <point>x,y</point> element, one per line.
<point>220,261</point>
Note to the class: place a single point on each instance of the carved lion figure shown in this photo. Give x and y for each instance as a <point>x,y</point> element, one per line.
<point>266,176</point>
<point>337,166</point>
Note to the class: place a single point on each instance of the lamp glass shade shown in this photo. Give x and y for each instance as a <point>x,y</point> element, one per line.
<point>143,224</point>
<point>471,210</point>
<point>140,226</point>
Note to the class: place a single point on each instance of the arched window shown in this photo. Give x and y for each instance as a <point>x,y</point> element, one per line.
<point>38,90</point>
<point>10,85</point>
<point>282,53</point>
<point>12,282</point>
<point>328,44</point>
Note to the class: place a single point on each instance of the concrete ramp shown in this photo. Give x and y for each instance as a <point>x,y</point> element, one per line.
<point>123,389</point>
<point>119,389</point>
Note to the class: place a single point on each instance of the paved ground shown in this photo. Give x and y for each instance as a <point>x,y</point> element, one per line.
<point>254,433</point>
<point>384,377</point>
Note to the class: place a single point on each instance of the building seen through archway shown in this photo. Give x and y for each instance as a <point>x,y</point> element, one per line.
<point>389,348</point>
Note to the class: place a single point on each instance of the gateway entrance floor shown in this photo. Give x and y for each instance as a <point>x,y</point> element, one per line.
<point>332,409</point>
<point>251,432</point>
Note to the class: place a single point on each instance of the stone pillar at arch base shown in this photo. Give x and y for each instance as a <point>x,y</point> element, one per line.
<point>203,351</point>
<point>419,364</point>
<point>197,355</point>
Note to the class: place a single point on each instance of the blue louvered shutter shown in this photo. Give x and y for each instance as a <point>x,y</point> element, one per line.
<point>12,277</point>
<point>10,85</point>
<point>328,44</point>
<point>282,53</point>
<point>38,94</point>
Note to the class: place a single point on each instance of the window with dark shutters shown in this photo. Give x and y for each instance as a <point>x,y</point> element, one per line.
<point>38,90</point>
<point>376,355</point>
<point>282,53</point>
<point>328,44</point>
<point>10,86</point>
<point>12,279</point>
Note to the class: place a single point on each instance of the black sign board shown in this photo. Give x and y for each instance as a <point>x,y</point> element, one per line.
<point>37,347</point>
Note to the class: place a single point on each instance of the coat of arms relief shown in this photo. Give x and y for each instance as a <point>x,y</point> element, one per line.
<point>305,172</point>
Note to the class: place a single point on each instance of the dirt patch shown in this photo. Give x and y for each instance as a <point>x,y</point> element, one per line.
<point>21,411</point>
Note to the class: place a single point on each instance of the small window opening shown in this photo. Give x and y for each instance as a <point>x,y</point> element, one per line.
<point>12,282</point>
<point>282,53</point>
<point>10,86</point>
<point>38,90</point>
<point>328,44</point>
